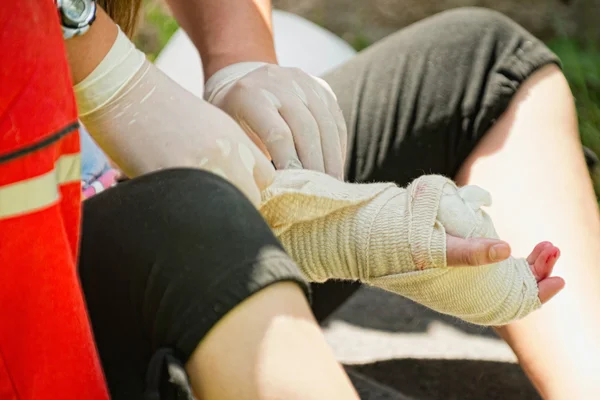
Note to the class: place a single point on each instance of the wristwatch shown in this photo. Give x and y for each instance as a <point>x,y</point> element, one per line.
<point>76,16</point>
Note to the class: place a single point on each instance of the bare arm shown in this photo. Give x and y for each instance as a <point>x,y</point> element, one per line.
<point>227,31</point>
<point>85,52</point>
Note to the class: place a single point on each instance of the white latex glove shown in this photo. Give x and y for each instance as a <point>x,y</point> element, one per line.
<point>146,122</point>
<point>293,115</point>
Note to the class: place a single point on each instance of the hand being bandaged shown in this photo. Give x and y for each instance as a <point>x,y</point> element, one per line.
<point>395,239</point>
<point>292,114</point>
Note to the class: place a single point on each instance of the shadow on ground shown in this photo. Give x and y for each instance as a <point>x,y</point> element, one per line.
<point>447,372</point>
<point>376,309</point>
<point>443,379</point>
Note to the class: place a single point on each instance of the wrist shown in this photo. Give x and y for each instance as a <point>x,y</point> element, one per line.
<point>212,63</point>
<point>120,64</point>
<point>226,76</point>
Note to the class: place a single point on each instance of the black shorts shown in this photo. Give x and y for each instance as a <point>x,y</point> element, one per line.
<point>165,256</point>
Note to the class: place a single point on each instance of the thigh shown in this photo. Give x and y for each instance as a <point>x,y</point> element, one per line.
<point>419,101</point>
<point>163,258</point>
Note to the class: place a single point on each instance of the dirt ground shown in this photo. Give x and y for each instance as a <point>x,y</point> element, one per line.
<point>395,349</point>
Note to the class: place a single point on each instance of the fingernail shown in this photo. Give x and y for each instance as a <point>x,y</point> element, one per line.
<point>499,252</point>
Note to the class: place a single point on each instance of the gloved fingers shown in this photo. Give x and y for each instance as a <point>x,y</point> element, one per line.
<point>328,130</point>
<point>305,131</point>
<point>264,121</point>
<point>475,251</point>
<point>263,172</point>
<point>338,115</point>
<point>549,287</point>
<point>254,138</point>
<point>325,86</point>
<point>330,98</point>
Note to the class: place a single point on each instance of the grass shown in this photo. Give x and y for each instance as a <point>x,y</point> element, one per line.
<point>156,28</point>
<point>360,42</point>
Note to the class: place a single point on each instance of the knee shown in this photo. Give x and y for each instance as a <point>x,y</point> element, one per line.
<point>173,208</point>
<point>483,31</point>
<point>206,205</point>
<point>201,194</point>
<point>199,205</point>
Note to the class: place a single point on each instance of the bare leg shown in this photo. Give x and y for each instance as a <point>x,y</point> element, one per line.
<point>268,347</point>
<point>531,161</point>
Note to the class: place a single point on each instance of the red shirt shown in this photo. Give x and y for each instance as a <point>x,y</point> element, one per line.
<point>46,343</point>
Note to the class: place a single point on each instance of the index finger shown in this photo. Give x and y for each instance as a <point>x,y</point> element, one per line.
<point>333,155</point>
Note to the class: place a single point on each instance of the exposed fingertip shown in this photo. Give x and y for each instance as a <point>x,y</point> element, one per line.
<point>537,251</point>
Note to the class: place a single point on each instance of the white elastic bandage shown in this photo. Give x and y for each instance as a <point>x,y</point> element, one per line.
<point>395,239</point>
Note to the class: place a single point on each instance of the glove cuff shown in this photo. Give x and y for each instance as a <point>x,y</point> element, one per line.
<point>119,66</point>
<point>227,76</point>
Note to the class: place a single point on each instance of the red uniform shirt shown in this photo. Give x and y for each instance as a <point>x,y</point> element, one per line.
<point>46,344</point>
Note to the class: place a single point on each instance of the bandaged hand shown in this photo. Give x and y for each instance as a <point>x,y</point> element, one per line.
<point>396,239</point>
<point>293,116</point>
<point>145,121</point>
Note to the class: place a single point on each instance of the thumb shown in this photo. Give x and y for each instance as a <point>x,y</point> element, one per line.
<point>475,251</point>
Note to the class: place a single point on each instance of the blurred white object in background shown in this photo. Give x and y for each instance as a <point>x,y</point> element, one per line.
<point>298,43</point>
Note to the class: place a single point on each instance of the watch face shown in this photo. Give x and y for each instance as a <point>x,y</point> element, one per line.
<point>76,10</point>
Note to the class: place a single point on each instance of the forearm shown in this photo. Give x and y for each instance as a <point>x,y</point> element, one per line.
<point>145,121</point>
<point>152,123</point>
<point>136,143</point>
<point>227,31</point>
<point>396,239</point>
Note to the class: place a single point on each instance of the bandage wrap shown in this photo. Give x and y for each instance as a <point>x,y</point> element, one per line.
<point>395,239</point>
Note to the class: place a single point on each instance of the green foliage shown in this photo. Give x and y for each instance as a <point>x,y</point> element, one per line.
<point>581,65</point>
<point>156,28</point>
<point>360,42</point>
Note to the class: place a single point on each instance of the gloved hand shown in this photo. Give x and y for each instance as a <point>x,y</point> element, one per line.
<point>146,122</point>
<point>292,116</point>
